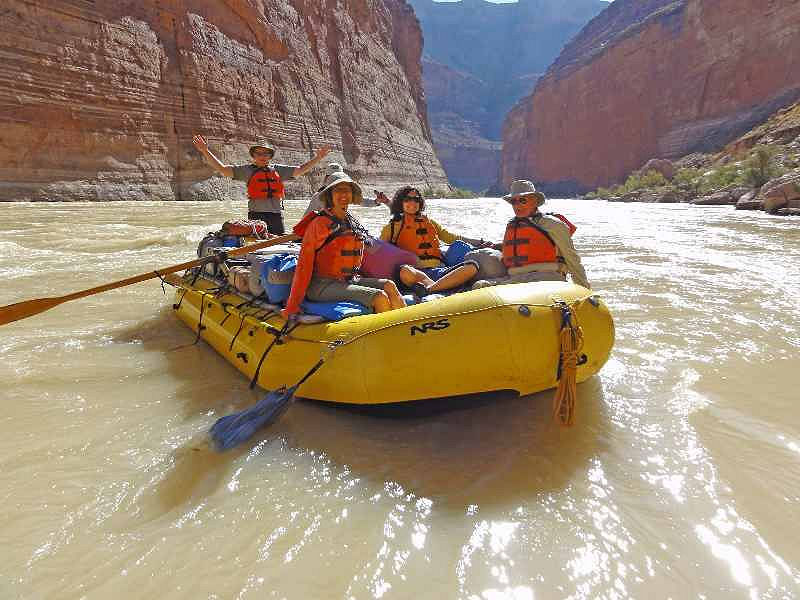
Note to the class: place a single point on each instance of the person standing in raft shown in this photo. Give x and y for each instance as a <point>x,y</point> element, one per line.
<point>411,230</point>
<point>264,181</point>
<point>317,204</point>
<point>537,246</point>
<point>331,254</point>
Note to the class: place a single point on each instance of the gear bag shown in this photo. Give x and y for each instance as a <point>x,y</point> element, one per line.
<point>276,277</point>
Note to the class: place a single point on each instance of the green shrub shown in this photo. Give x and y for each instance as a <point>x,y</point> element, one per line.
<point>639,181</point>
<point>604,192</point>
<point>760,166</point>
<point>687,181</point>
<point>713,181</point>
<point>457,192</point>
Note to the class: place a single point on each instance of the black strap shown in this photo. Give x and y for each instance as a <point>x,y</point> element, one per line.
<point>392,236</point>
<point>200,325</point>
<point>310,373</point>
<point>279,335</point>
<point>539,228</point>
<point>238,331</point>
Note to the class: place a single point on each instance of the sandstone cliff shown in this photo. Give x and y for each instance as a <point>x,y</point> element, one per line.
<point>653,78</point>
<point>480,58</point>
<point>100,99</point>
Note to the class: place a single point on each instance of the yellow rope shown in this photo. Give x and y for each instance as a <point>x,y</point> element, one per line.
<point>571,338</point>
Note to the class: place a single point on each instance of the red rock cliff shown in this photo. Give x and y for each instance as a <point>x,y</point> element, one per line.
<point>653,78</point>
<point>99,100</point>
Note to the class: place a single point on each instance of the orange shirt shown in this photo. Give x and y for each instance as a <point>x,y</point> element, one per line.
<point>315,235</point>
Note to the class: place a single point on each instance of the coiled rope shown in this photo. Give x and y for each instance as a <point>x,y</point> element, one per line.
<point>571,344</point>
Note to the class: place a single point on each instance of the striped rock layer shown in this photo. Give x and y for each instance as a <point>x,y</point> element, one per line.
<point>99,100</point>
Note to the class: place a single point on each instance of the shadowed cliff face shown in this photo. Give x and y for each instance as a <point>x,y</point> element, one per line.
<point>480,58</point>
<point>653,79</point>
<point>101,99</point>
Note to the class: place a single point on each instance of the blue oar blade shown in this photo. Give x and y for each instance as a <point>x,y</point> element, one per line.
<point>234,429</point>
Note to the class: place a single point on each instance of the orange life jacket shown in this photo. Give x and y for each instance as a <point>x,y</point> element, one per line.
<point>340,255</point>
<point>419,238</point>
<point>265,184</point>
<point>527,243</point>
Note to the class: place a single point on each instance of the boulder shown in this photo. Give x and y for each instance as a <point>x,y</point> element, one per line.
<point>660,196</point>
<point>778,193</point>
<point>630,197</point>
<point>788,212</point>
<point>739,191</point>
<point>750,201</point>
<point>718,199</point>
<point>660,165</point>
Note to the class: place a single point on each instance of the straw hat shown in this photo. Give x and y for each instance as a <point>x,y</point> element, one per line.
<point>523,187</point>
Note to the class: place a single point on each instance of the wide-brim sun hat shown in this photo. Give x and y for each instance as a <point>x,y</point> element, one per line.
<point>262,144</point>
<point>337,177</point>
<point>523,187</point>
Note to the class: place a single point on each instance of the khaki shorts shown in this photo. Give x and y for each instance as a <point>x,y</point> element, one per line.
<point>323,289</point>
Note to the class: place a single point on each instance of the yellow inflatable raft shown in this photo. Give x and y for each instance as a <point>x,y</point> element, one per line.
<point>497,338</point>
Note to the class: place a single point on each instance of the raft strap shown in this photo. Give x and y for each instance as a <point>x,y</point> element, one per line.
<point>279,335</point>
<point>200,325</point>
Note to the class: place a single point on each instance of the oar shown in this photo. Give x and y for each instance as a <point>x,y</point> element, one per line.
<point>231,430</point>
<point>28,308</point>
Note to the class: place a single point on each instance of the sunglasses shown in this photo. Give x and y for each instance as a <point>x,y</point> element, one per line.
<point>416,199</point>
<point>522,201</point>
<point>262,153</point>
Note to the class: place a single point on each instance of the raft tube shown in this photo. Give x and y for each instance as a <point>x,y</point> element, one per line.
<point>491,339</point>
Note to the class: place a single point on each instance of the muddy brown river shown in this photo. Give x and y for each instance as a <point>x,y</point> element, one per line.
<point>681,478</point>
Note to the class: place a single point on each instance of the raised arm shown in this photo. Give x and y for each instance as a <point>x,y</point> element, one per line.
<point>202,146</point>
<point>305,167</point>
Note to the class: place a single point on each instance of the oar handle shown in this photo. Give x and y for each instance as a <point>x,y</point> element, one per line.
<point>28,308</point>
<point>175,268</point>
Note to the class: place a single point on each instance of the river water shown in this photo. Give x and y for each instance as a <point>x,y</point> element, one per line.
<point>681,478</point>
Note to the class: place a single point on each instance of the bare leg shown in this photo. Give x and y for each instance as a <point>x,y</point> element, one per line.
<point>395,299</point>
<point>454,278</point>
<point>409,276</point>
<point>381,303</point>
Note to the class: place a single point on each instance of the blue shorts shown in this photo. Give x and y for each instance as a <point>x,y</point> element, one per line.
<point>436,273</point>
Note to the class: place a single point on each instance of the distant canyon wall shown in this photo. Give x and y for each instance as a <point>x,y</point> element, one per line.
<point>100,100</point>
<point>653,78</point>
<point>479,59</point>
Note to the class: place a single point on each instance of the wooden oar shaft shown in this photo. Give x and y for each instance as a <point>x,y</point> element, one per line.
<point>28,308</point>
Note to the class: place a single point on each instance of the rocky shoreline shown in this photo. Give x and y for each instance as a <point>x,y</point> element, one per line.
<point>758,171</point>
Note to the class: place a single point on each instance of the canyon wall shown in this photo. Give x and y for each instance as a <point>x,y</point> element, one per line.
<point>653,78</point>
<point>99,100</point>
<point>479,59</point>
